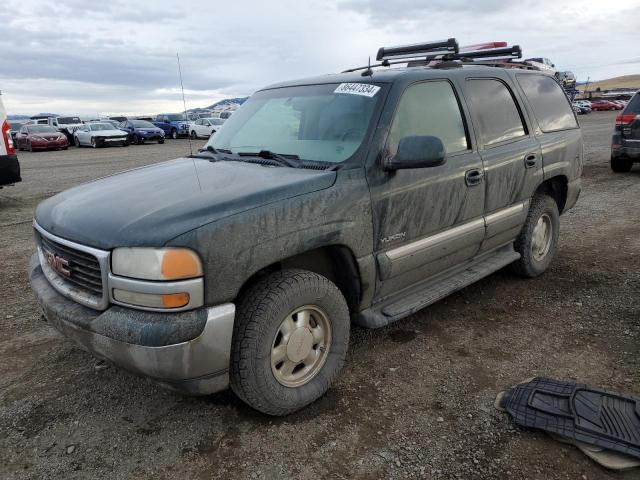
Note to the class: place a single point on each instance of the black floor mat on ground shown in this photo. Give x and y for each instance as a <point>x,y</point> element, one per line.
<point>578,412</point>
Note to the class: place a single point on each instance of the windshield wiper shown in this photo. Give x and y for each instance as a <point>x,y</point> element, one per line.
<point>210,152</point>
<point>283,160</point>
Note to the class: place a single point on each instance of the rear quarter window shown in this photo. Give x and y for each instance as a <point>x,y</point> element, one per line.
<point>548,101</point>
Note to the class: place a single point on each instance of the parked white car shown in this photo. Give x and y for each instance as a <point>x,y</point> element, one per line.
<point>205,127</point>
<point>100,135</point>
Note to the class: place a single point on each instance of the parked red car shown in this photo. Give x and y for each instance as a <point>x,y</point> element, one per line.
<point>40,137</point>
<point>603,105</point>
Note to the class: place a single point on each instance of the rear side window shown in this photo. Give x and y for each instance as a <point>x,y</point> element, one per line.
<point>494,109</point>
<point>634,104</point>
<point>548,101</point>
<point>429,108</point>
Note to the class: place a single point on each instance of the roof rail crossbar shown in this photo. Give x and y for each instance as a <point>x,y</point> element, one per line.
<point>441,47</point>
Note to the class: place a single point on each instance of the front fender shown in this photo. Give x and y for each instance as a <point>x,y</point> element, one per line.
<point>236,247</point>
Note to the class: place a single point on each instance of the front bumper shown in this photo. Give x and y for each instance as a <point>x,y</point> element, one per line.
<point>151,136</point>
<point>108,142</point>
<point>187,351</point>
<point>38,144</point>
<point>9,169</point>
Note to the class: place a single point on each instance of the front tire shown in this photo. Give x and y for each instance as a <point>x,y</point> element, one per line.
<point>76,142</point>
<point>621,165</point>
<point>93,143</point>
<point>174,133</point>
<point>290,340</point>
<point>537,243</point>
<point>194,135</point>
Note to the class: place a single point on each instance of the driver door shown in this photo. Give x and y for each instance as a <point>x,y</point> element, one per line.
<point>427,220</point>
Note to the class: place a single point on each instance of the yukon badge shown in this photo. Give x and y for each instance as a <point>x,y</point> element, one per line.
<point>393,238</point>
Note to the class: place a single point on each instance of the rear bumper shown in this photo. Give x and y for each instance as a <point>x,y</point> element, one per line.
<point>187,351</point>
<point>9,169</point>
<point>626,151</point>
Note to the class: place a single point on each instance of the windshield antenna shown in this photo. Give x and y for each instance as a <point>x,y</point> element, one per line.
<point>184,104</point>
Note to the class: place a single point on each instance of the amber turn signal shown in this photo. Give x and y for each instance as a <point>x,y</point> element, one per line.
<point>180,263</point>
<point>175,300</point>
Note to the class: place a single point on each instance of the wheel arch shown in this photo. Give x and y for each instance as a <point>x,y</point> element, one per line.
<point>557,188</point>
<point>335,262</point>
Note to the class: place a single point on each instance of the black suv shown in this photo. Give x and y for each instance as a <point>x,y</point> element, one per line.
<point>357,198</point>
<point>625,144</point>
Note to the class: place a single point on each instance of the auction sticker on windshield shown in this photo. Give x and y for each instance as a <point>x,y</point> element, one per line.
<point>364,89</point>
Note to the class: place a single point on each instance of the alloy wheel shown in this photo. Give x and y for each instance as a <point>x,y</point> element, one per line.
<point>301,345</point>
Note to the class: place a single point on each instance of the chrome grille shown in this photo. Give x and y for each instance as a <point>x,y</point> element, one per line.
<point>84,269</point>
<point>77,271</point>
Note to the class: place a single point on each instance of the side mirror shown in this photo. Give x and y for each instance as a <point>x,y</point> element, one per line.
<point>417,152</point>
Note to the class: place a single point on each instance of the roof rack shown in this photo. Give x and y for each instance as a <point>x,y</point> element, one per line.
<point>439,47</point>
<point>445,54</point>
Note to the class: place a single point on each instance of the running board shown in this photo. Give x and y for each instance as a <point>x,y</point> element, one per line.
<point>426,294</point>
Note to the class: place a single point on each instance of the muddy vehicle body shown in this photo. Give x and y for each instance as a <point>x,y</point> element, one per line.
<point>352,198</point>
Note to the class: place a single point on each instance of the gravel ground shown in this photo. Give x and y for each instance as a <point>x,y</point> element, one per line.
<point>414,400</point>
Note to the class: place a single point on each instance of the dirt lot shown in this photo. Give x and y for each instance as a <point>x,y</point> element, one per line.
<point>414,401</point>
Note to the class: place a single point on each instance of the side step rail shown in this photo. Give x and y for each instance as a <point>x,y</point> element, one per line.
<point>398,308</point>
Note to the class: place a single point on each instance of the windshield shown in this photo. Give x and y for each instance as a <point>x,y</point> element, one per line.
<point>142,124</point>
<point>101,126</point>
<point>315,122</point>
<point>41,129</point>
<point>69,120</point>
<point>175,117</point>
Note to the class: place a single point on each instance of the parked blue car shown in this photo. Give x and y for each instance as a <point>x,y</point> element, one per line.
<point>174,125</point>
<point>141,131</point>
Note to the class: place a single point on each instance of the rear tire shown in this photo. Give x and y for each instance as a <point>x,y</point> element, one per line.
<point>161,141</point>
<point>537,243</point>
<point>290,340</point>
<point>621,165</point>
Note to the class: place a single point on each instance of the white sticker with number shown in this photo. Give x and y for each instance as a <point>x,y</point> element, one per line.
<point>364,89</point>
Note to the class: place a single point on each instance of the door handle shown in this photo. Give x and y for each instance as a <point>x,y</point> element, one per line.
<point>473,177</point>
<point>530,160</point>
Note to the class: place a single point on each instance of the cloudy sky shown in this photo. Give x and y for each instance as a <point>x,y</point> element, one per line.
<point>119,56</point>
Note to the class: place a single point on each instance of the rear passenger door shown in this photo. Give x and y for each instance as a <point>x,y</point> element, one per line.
<point>426,219</point>
<point>556,127</point>
<point>510,155</point>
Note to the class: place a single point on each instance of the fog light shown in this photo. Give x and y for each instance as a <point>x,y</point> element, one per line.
<point>162,301</point>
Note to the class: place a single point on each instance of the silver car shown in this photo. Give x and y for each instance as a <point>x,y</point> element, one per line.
<point>101,134</point>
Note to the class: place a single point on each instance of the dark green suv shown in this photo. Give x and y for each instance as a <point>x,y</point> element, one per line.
<point>356,198</point>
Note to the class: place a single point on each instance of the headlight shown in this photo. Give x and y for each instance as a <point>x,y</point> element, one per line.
<point>156,278</point>
<point>156,263</point>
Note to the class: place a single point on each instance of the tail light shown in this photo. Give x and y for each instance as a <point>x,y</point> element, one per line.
<point>625,119</point>
<point>6,137</point>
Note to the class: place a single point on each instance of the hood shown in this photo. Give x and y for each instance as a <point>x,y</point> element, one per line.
<point>151,205</point>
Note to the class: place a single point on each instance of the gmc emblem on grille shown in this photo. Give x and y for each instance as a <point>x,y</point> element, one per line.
<point>59,264</point>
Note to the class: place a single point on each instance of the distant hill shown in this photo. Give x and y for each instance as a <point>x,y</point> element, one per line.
<point>625,81</point>
<point>228,101</point>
